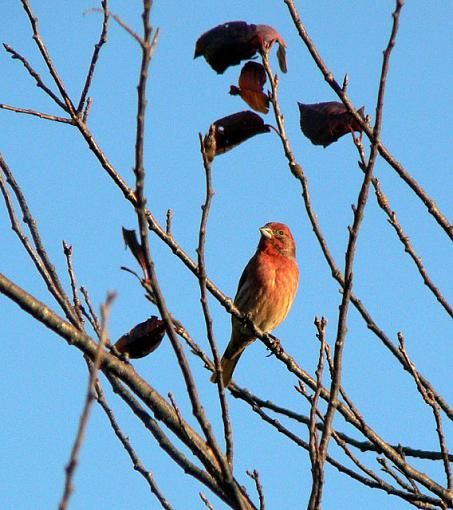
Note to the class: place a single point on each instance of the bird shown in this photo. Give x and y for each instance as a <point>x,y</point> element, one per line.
<point>265,293</point>
<point>228,44</point>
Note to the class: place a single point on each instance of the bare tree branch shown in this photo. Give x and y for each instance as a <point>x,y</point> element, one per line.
<point>75,294</point>
<point>435,408</point>
<point>95,56</point>
<point>298,172</point>
<point>68,106</point>
<point>91,315</point>
<point>39,82</point>
<point>383,151</point>
<point>212,467</point>
<point>137,463</point>
<point>94,367</point>
<point>38,254</point>
<point>393,220</point>
<point>204,303</point>
<point>41,115</point>
<point>381,485</point>
<point>198,411</point>
<point>317,462</point>
<point>254,475</point>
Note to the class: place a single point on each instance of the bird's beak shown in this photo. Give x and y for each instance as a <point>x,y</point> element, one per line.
<point>266,232</point>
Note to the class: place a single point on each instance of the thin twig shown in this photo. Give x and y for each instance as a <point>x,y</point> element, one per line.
<point>384,204</point>
<point>383,151</point>
<point>393,220</point>
<point>87,110</point>
<point>136,462</point>
<point>254,475</point>
<point>381,485</point>
<point>316,463</point>
<point>112,366</point>
<point>139,169</point>
<point>205,305</point>
<point>74,459</point>
<point>128,29</point>
<point>95,56</point>
<point>169,219</point>
<point>38,254</point>
<point>15,225</point>
<point>75,295</point>
<point>353,236</point>
<point>39,82</point>
<point>387,469</point>
<point>428,398</point>
<point>148,46</point>
<point>91,316</point>
<point>299,173</point>
<point>317,471</point>
<point>177,410</point>
<point>41,115</point>
<point>149,395</point>
<point>206,501</point>
<point>68,105</point>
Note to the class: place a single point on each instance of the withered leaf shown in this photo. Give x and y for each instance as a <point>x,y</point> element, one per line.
<point>228,44</point>
<point>325,123</point>
<point>251,83</point>
<point>130,238</point>
<point>143,339</point>
<point>228,132</point>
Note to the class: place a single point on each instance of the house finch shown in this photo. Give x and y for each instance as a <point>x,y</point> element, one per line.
<point>266,291</point>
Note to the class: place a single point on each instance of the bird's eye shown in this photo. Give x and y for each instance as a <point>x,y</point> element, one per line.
<point>280,233</point>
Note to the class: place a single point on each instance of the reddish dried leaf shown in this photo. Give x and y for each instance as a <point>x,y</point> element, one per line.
<point>228,44</point>
<point>251,82</point>
<point>267,36</point>
<point>281,56</point>
<point>325,123</point>
<point>228,132</point>
<point>143,339</point>
<point>130,238</point>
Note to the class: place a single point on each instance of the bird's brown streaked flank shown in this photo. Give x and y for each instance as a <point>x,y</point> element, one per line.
<point>266,292</point>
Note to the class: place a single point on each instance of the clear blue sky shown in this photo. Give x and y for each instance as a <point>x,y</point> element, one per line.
<point>44,380</point>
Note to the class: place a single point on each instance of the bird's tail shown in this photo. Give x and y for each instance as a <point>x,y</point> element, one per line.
<point>232,354</point>
<point>228,365</point>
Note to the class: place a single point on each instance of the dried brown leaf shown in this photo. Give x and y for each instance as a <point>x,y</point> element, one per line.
<point>130,238</point>
<point>251,82</point>
<point>228,132</point>
<point>143,339</point>
<point>232,42</point>
<point>325,123</point>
